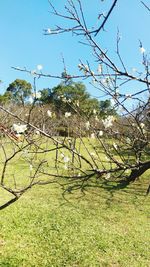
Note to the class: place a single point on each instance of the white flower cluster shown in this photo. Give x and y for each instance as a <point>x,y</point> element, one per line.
<point>108,122</point>
<point>84,68</point>
<point>19,128</point>
<point>64,99</point>
<point>67,114</point>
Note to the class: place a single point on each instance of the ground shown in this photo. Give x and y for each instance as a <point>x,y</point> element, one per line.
<point>104,227</point>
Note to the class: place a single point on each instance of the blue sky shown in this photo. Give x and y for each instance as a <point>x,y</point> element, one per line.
<point>23,43</point>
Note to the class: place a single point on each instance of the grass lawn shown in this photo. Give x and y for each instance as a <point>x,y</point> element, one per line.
<point>104,227</point>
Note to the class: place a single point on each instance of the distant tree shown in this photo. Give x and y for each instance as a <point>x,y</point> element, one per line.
<point>73,97</point>
<point>46,96</point>
<point>20,90</point>
<point>106,108</point>
<point>5,98</point>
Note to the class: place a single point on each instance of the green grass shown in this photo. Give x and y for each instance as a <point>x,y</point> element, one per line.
<point>104,227</point>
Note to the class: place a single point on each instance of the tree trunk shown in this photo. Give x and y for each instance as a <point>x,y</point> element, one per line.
<point>135,173</point>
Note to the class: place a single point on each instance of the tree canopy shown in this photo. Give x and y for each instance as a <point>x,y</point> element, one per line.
<point>20,90</point>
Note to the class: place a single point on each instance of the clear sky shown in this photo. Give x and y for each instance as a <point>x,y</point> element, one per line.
<point>23,44</point>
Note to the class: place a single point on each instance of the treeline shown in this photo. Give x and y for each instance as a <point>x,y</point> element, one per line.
<point>65,97</point>
<point>62,110</point>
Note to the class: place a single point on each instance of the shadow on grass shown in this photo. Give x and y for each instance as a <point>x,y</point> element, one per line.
<point>112,192</point>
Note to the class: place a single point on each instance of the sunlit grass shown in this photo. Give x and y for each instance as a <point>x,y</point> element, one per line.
<point>102,225</point>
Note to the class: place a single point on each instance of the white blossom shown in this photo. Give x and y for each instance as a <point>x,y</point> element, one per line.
<point>92,135</point>
<point>128,96</point>
<point>142,50</point>
<point>100,133</point>
<point>49,113</point>
<point>39,67</point>
<point>86,68</point>
<point>142,125</point>
<point>19,128</point>
<point>115,146</point>
<point>64,99</point>
<point>67,114</point>
<point>108,122</point>
<point>94,111</point>
<point>48,30</point>
<point>87,125</point>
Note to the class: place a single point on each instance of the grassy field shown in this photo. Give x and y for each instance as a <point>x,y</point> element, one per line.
<point>104,227</point>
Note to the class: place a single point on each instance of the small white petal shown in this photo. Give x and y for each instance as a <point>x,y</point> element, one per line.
<point>142,50</point>
<point>49,30</point>
<point>100,133</point>
<point>39,67</point>
<point>92,135</point>
<point>66,159</point>
<point>67,114</point>
<point>49,113</point>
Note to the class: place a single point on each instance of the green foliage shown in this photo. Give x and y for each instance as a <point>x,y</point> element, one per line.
<point>46,96</point>
<point>20,90</point>
<point>67,96</point>
<point>101,228</point>
<point>71,96</point>
<point>106,109</point>
<point>5,98</point>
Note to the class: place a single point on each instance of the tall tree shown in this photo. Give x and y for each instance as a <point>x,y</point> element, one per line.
<point>20,90</point>
<point>73,97</point>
